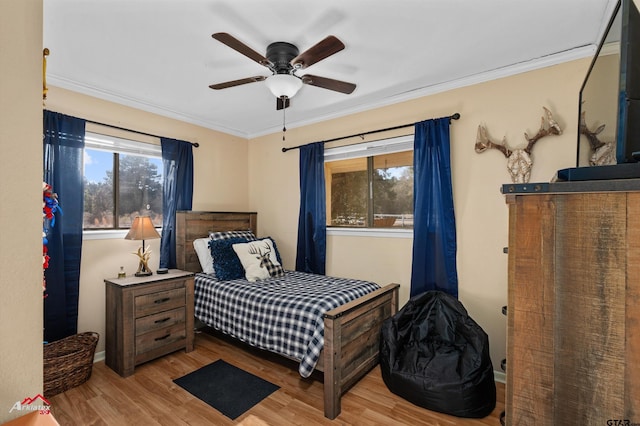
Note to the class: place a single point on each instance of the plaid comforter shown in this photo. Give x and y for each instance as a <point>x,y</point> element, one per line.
<point>282,315</point>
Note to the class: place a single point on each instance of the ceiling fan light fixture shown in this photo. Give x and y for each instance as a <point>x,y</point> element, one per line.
<point>283,85</point>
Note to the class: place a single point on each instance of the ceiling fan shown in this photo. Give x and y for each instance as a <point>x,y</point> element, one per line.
<point>283,60</point>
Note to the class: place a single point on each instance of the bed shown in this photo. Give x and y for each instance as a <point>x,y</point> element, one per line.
<point>351,331</point>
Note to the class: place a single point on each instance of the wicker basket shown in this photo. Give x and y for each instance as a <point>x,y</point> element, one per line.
<point>68,362</point>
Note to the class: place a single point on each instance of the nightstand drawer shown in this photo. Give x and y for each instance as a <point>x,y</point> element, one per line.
<point>151,303</point>
<point>160,320</point>
<point>159,338</point>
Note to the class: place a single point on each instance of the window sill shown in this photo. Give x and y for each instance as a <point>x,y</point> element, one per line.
<point>108,234</point>
<point>370,232</point>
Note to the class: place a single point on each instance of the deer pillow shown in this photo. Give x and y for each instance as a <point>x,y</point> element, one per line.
<point>259,259</point>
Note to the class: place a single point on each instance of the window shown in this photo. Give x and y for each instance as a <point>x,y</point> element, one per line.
<point>370,185</point>
<point>122,180</point>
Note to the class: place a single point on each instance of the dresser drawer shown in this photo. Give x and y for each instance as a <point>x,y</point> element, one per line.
<point>160,301</point>
<point>158,338</point>
<point>159,320</point>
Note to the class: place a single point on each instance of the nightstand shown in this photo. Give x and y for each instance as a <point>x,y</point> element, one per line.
<point>147,317</point>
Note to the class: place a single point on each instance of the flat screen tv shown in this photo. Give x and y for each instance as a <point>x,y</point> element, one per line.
<point>610,100</point>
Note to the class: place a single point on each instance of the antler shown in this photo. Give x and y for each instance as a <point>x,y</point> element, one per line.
<point>519,161</point>
<point>254,249</point>
<point>592,137</point>
<point>553,129</point>
<point>483,142</point>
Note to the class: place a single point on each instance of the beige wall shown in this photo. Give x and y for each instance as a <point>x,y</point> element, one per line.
<point>235,174</point>
<point>509,107</point>
<point>20,203</point>
<point>220,183</point>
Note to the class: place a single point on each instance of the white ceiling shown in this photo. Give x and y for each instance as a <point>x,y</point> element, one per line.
<point>159,56</point>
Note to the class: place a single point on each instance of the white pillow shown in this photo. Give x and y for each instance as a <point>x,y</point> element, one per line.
<point>204,255</point>
<point>259,259</point>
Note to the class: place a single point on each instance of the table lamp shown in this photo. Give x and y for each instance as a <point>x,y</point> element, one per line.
<point>142,229</point>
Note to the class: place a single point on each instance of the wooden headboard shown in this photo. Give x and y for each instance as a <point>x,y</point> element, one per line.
<point>192,225</point>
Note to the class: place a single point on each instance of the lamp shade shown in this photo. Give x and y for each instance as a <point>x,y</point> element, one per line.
<point>142,229</point>
<point>283,85</point>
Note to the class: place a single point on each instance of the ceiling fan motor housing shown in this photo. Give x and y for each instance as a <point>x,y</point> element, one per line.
<point>281,54</point>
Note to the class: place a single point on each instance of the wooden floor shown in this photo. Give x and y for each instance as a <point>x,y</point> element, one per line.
<point>149,396</point>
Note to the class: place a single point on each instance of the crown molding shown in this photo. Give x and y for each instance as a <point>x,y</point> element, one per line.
<point>522,67</point>
<point>121,99</point>
<point>495,74</point>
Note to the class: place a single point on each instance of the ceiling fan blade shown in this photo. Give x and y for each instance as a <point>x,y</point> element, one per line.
<point>240,47</point>
<point>282,103</point>
<point>318,52</point>
<point>237,82</point>
<point>328,83</point>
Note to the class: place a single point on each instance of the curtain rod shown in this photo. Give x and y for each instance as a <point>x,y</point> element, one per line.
<point>195,144</point>
<point>455,116</point>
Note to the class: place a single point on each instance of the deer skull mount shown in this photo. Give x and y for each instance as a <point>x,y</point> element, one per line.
<point>603,153</point>
<point>519,162</point>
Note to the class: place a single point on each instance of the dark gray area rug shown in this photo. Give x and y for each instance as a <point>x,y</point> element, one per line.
<point>227,388</point>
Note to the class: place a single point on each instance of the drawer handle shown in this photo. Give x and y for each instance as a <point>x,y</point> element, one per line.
<point>164,299</point>
<point>162,320</point>
<point>163,337</point>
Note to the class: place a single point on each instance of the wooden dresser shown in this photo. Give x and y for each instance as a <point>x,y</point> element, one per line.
<point>573,334</point>
<point>147,317</point>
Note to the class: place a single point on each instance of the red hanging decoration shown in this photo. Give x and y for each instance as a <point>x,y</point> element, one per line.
<point>49,208</point>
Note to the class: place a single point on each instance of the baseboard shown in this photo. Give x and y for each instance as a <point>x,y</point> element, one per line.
<point>498,376</point>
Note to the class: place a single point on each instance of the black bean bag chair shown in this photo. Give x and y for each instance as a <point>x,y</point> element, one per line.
<point>435,356</point>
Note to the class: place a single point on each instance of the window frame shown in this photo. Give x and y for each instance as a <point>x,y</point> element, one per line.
<point>369,150</point>
<point>117,145</point>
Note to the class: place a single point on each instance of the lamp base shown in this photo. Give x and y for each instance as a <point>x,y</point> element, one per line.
<point>143,274</point>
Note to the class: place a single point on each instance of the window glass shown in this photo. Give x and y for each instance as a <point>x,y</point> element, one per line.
<point>118,186</point>
<point>347,190</point>
<point>370,192</point>
<point>140,191</point>
<point>393,190</point>
<point>98,189</point>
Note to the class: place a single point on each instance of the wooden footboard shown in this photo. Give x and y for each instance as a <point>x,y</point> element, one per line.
<point>352,342</point>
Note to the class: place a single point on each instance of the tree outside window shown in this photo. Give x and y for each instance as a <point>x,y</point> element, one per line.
<point>371,192</point>
<point>118,187</point>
